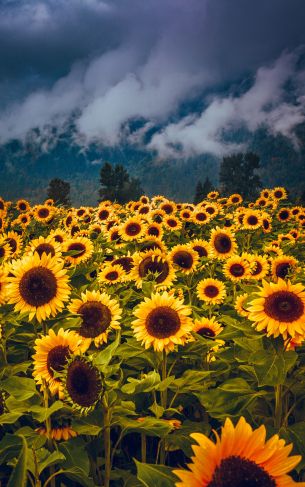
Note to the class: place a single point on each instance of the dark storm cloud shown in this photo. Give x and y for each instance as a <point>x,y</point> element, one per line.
<point>111,61</point>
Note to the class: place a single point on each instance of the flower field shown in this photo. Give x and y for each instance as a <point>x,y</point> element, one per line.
<point>153,344</point>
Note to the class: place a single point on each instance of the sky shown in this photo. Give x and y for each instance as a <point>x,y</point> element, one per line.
<point>191,70</point>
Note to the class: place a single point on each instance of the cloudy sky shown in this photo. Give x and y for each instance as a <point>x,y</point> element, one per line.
<point>192,69</point>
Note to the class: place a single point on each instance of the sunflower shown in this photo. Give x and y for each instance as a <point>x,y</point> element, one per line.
<point>266,193</point>
<point>133,228</point>
<point>43,213</point>
<point>154,229</point>
<point>172,223</point>
<point>23,205</point>
<point>240,305</point>
<point>235,199</point>
<point>252,220</point>
<point>162,322</point>
<point>186,214</point>
<point>282,266</point>
<point>52,353</point>
<point>207,327</point>
<point>284,215</point>
<point>114,236</point>
<point>201,217</point>
<point>111,274</point>
<point>143,209</point>
<point>202,247</point>
<point>279,309</point>
<point>127,262</point>
<point>153,243</point>
<point>223,243</point>
<point>279,193</point>
<point>83,384</point>
<point>213,195</point>
<point>168,207</point>
<point>152,264</point>
<point>59,235</point>
<point>23,220</point>
<point>15,242</point>
<point>184,258</point>
<point>236,268</point>
<point>5,250</point>
<point>3,285</point>
<point>38,286</point>
<point>157,216</point>
<point>99,314</point>
<point>261,202</point>
<point>45,245</point>
<point>81,247</point>
<point>103,213</point>
<point>211,291</point>
<point>273,250</point>
<point>266,223</point>
<point>259,267</point>
<point>240,457</point>
<point>144,199</point>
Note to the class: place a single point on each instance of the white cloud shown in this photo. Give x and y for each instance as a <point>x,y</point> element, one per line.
<point>262,105</point>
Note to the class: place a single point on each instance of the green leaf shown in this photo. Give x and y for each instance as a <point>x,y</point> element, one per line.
<point>191,381</point>
<point>150,426</point>
<point>41,414</point>
<point>77,474</point>
<point>270,367</point>
<point>74,452</point>
<point>21,388</point>
<point>104,357</point>
<point>88,425</point>
<point>18,476</point>
<point>148,383</point>
<point>155,475</point>
<point>10,418</point>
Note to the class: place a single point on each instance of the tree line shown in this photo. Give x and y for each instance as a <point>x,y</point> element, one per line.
<point>238,173</point>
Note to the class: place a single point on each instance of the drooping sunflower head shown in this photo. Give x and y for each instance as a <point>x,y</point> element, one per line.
<point>184,258</point>
<point>83,384</point>
<point>223,243</point>
<point>162,322</point>
<point>236,268</point>
<point>51,354</point>
<point>99,314</point>
<point>38,286</point>
<point>279,309</point>
<point>241,457</point>
<point>152,265</point>
<point>211,291</point>
<point>80,249</point>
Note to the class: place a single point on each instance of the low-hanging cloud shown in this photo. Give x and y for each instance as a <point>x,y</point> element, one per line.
<point>101,64</point>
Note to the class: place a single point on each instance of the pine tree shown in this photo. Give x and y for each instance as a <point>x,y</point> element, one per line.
<point>116,184</point>
<point>207,187</point>
<point>238,175</point>
<point>59,191</point>
<point>198,193</point>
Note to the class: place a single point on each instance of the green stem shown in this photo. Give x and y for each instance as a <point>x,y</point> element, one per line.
<point>278,412</point>
<point>163,402</point>
<point>107,444</point>
<point>48,430</point>
<point>143,448</point>
<point>52,477</point>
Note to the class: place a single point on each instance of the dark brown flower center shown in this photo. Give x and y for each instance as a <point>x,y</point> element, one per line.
<point>2,252</point>
<point>43,213</point>
<point>96,319</point>
<point>211,291</point>
<point>148,265</point>
<point>183,259</point>
<point>78,248</point>
<point>210,210</point>
<point>13,244</point>
<point>235,471</point>
<point>80,212</point>
<point>158,218</point>
<point>278,194</point>
<point>125,262</point>
<point>237,270</point>
<point>38,286</point>
<point>84,383</point>
<point>266,224</point>
<point>103,215</point>
<point>258,269</point>
<point>167,208</point>
<point>284,215</point>
<point>235,199</point>
<point>58,238</point>
<point>201,251</point>
<point>284,306</point>
<point>133,229</point>
<point>252,220</point>
<point>57,358</point>
<point>222,243</point>
<point>115,236</point>
<point>144,210</point>
<point>22,206</point>
<point>150,246</point>
<point>154,231</point>
<point>45,248</point>
<point>163,322</point>
<point>282,269</point>
<point>172,222</point>
<point>206,332</point>
<point>68,220</point>
<point>112,276</point>
<point>201,217</point>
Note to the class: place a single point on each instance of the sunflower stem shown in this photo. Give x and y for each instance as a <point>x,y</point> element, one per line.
<point>143,448</point>
<point>107,444</point>
<point>278,413</point>
<point>48,429</point>
<point>163,401</point>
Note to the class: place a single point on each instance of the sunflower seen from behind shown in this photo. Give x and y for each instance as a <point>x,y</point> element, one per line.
<point>162,322</point>
<point>38,286</point>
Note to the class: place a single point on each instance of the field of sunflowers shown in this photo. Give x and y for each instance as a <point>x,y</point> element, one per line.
<point>153,344</point>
